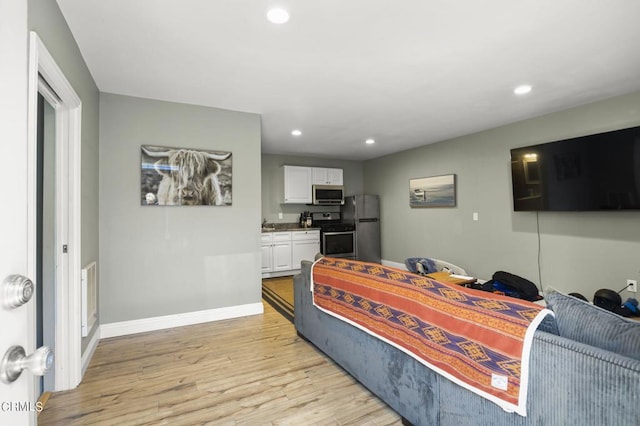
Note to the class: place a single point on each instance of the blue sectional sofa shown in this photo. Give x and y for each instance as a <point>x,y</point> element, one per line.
<point>571,382</point>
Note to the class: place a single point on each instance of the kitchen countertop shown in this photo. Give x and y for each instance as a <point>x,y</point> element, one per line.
<point>283,227</point>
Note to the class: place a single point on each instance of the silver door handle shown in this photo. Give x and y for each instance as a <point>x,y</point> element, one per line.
<point>17,290</point>
<point>15,361</point>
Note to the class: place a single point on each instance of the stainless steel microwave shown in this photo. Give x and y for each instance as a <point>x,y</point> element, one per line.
<point>328,195</point>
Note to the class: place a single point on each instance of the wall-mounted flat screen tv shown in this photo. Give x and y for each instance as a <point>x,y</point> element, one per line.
<point>587,173</point>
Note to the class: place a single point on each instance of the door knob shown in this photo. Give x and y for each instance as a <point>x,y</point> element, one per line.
<point>16,290</point>
<point>15,361</point>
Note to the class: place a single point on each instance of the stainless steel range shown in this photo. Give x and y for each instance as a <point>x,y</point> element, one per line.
<point>337,239</point>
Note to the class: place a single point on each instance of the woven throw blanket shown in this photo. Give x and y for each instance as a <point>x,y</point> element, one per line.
<point>478,340</point>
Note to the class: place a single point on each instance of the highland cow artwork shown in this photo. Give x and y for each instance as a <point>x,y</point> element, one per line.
<point>184,177</point>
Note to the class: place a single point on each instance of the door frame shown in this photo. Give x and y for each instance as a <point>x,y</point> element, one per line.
<point>68,107</point>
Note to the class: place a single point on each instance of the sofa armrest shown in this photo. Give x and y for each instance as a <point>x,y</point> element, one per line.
<point>571,382</point>
<point>301,284</point>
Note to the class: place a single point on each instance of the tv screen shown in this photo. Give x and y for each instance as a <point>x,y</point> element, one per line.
<point>588,173</point>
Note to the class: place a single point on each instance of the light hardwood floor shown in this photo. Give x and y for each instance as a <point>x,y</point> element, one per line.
<point>246,371</point>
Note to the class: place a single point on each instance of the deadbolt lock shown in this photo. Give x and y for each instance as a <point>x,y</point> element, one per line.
<point>16,291</point>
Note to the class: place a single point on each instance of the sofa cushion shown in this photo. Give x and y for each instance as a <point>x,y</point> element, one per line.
<point>589,324</point>
<point>548,324</point>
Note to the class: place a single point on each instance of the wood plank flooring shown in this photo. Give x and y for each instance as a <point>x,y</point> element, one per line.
<point>278,292</point>
<point>245,371</point>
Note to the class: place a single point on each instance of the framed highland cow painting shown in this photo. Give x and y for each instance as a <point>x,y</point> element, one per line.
<point>184,177</point>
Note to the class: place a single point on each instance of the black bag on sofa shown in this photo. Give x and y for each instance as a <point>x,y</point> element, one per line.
<point>512,285</point>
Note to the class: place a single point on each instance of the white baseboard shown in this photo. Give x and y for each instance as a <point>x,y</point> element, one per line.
<point>88,352</point>
<point>394,264</point>
<point>291,272</point>
<point>178,320</point>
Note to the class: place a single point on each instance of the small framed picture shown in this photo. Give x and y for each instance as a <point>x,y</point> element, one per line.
<point>434,191</point>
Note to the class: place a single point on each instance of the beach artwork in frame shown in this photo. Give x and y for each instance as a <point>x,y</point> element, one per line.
<point>434,191</point>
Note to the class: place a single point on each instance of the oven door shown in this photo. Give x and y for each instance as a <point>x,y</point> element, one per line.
<point>339,244</point>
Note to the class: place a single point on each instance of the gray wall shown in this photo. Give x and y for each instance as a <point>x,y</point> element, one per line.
<point>46,19</point>
<point>162,260</point>
<point>272,191</point>
<point>579,252</point>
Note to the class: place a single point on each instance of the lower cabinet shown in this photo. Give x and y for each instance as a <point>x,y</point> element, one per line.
<point>305,246</point>
<point>276,251</point>
<point>282,252</point>
<point>281,256</point>
<point>267,256</point>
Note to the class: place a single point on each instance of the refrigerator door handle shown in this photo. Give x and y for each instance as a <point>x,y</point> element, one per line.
<point>370,219</point>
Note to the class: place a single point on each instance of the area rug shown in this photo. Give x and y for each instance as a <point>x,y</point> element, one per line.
<point>278,292</point>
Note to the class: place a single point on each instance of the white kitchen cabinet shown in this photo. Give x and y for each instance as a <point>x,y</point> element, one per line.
<point>282,252</point>
<point>298,181</point>
<point>305,246</point>
<point>266,250</point>
<point>267,258</point>
<point>327,176</point>
<point>276,251</point>
<point>297,184</point>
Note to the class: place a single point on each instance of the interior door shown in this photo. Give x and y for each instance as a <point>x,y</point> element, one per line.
<point>17,325</point>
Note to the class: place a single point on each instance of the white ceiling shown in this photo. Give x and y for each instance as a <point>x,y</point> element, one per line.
<point>406,73</point>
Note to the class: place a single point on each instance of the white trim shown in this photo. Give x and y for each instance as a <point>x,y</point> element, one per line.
<point>68,363</point>
<point>276,274</point>
<point>124,328</point>
<point>394,264</point>
<point>90,349</point>
<point>48,94</point>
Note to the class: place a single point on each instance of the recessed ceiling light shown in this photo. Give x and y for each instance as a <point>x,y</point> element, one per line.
<point>296,132</point>
<point>277,15</point>
<point>522,90</point>
<point>370,141</point>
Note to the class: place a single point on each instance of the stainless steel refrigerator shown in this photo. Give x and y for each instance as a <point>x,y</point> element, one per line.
<point>364,212</point>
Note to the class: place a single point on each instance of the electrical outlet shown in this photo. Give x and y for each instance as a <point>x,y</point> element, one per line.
<point>280,215</point>
<point>632,285</point>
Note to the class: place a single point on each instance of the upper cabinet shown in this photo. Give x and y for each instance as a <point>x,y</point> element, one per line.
<point>325,176</point>
<point>298,181</point>
<point>297,184</point>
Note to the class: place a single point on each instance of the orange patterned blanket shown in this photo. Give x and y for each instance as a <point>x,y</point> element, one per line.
<point>476,339</point>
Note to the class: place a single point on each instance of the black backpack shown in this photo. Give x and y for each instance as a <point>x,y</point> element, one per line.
<point>512,285</point>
